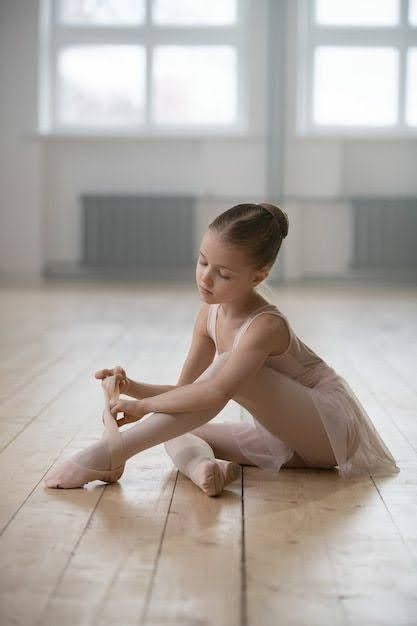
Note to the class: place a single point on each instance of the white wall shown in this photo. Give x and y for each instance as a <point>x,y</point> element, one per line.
<point>20,158</point>
<point>41,179</point>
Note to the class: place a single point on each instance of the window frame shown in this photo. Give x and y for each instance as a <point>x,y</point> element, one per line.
<point>310,35</point>
<point>54,37</point>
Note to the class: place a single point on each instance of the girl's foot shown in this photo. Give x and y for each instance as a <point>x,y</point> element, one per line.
<point>231,471</point>
<point>104,460</point>
<point>93,463</point>
<point>212,475</point>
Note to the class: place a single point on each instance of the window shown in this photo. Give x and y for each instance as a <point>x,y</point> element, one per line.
<point>357,63</point>
<point>142,66</point>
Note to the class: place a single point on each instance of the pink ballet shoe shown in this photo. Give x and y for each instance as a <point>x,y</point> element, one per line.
<point>212,482</point>
<point>212,475</point>
<point>69,474</point>
<point>231,471</point>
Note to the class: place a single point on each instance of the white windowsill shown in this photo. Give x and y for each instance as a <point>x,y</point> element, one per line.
<point>343,133</point>
<point>356,136</point>
<point>162,136</point>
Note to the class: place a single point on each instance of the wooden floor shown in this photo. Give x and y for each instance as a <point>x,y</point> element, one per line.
<point>301,548</point>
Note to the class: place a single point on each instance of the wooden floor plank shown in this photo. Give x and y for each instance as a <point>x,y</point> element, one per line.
<point>201,552</point>
<point>51,436</point>
<point>48,385</point>
<point>108,573</point>
<point>153,549</point>
<point>289,572</point>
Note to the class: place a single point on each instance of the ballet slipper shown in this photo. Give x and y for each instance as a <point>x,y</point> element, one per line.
<point>212,475</point>
<point>207,475</point>
<point>231,471</point>
<point>70,474</point>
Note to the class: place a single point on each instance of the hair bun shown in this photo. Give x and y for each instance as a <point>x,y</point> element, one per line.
<point>279,215</point>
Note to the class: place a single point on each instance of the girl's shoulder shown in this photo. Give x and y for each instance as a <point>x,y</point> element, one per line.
<point>268,325</point>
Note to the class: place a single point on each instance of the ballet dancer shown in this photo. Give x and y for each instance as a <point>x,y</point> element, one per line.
<point>302,413</point>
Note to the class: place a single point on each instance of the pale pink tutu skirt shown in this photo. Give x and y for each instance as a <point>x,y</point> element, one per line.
<point>357,446</point>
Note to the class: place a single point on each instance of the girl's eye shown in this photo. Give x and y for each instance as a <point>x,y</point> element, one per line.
<point>221,276</point>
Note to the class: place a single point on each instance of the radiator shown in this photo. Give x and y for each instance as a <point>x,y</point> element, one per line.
<point>144,233</point>
<point>385,232</point>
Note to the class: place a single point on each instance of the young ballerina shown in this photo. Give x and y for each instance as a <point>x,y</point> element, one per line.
<point>302,413</point>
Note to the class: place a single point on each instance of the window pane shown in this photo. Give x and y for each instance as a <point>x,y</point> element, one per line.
<point>101,85</point>
<point>357,12</point>
<point>355,86</point>
<point>411,105</point>
<point>102,11</point>
<point>186,12</point>
<point>195,84</point>
<point>412,12</point>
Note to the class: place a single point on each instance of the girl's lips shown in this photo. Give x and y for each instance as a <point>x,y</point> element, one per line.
<point>205,290</point>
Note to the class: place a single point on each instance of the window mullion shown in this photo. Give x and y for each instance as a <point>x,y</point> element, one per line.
<point>149,46</point>
<point>332,36</point>
<point>172,35</point>
<point>402,48</point>
<point>302,93</point>
<point>242,77</point>
<point>53,65</point>
<point>311,46</point>
<point>97,36</point>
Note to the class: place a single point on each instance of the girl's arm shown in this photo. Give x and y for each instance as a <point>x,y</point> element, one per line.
<point>143,390</point>
<point>242,362</point>
<point>197,396</point>
<point>199,357</point>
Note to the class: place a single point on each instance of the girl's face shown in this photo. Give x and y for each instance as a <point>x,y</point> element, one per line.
<point>223,270</point>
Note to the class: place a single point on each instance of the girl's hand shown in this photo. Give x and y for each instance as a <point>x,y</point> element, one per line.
<point>132,410</point>
<point>117,371</point>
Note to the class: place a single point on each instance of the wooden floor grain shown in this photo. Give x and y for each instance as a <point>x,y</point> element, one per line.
<point>303,548</point>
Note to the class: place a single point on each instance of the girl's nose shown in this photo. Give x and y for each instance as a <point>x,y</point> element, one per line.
<point>206,280</point>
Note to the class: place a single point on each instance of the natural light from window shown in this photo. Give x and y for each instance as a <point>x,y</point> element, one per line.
<point>155,65</point>
<point>194,12</point>
<point>96,12</point>
<point>358,63</point>
<point>355,86</point>
<point>101,84</point>
<point>201,90</point>
<point>412,12</point>
<point>357,12</point>
<point>411,98</point>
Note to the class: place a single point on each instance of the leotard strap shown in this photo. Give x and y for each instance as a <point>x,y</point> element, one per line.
<point>250,319</point>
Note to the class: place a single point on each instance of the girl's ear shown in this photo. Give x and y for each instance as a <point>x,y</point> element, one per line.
<point>260,276</point>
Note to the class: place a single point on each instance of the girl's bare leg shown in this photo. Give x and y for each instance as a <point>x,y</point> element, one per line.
<point>285,408</point>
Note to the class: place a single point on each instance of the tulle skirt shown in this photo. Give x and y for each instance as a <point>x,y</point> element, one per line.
<point>357,445</point>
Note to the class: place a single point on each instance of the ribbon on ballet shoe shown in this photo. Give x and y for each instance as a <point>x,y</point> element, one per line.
<point>112,434</point>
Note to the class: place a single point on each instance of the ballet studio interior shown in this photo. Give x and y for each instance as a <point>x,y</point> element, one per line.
<point>208,312</point>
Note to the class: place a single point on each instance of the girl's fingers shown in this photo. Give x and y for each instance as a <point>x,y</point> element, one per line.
<point>117,371</point>
<point>126,419</point>
<point>102,373</point>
